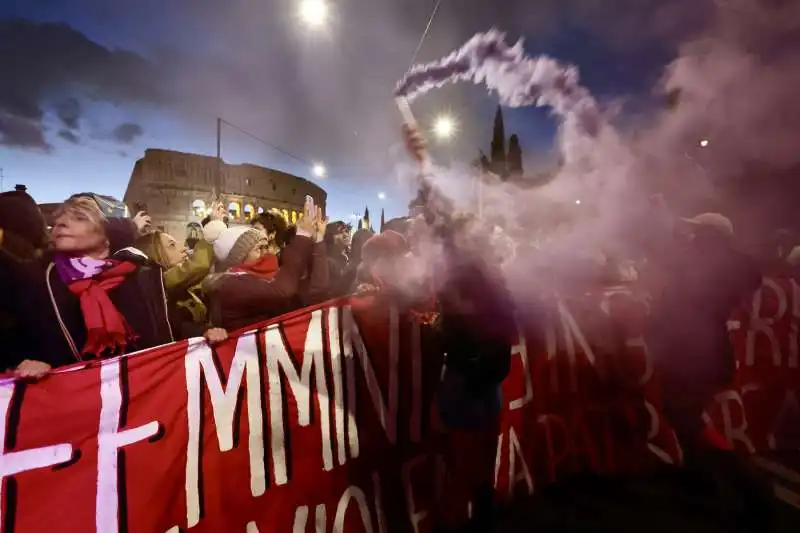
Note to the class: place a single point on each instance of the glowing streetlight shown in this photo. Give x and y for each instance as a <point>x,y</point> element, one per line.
<point>703,143</point>
<point>319,170</point>
<point>381,196</point>
<point>577,202</point>
<point>445,127</point>
<point>314,13</point>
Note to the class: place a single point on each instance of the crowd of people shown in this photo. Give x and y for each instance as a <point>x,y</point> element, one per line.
<point>95,285</point>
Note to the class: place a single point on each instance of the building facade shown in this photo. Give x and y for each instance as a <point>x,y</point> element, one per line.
<point>176,189</point>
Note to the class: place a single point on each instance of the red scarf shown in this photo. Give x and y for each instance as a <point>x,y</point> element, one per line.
<point>106,328</point>
<point>266,267</point>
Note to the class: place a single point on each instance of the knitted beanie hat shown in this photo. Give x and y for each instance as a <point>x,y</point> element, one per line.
<point>233,245</point>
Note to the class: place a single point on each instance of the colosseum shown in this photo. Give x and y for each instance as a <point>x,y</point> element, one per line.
<point>177,188</point>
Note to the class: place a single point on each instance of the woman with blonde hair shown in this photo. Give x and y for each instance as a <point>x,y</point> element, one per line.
<point>88,298</point>
<point>184,274</point>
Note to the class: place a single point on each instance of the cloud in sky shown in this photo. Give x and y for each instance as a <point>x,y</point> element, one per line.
<point>21,132</point>
<point>258,67</point>
<point>69,112</point>
<point>324,95</point>
<point>41,60</point>
<point>69,136</point>
<point>127,133</point>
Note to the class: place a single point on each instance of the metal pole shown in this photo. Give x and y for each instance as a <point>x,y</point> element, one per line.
<point>218,176</point>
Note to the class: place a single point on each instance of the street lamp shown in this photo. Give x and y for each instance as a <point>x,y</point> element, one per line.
<point>444,127</point>
<point>319,170</point>
<point>314,13</point>
<point>703,143</point>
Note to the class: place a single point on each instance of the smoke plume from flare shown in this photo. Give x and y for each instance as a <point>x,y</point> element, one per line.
<point>517,79</point>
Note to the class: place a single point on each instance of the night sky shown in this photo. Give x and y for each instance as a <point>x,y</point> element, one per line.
<point>87,85</point>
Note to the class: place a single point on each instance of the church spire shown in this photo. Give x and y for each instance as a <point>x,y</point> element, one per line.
<point>365,223</point>
<point>498,153</point>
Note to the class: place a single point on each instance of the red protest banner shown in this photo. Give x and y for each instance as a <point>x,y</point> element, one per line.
<point>759,412</point>
<point>322,418</point>
<point>306,421</point>
<point>325,418</point>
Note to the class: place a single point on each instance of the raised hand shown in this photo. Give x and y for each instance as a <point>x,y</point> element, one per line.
<point>143,222</point>
<point>320,224</point>
<point>306,223</point>
<point>415,142</point>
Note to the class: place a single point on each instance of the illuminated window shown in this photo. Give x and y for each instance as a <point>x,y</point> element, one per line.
<point>248,211</point>
<point>234,210</point>
<point>285,214</point>
<point>294,217</point>
<point>199,208</point>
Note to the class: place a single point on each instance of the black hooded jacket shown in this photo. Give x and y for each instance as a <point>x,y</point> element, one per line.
<point>50,315</point>
<point>707,277</point>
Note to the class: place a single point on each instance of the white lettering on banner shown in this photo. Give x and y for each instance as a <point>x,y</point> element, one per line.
<point>498,455</point>
<point>224,399</point>
<point>381,516</point>
<point>387,417</point>
<point>521,349</point>
<point>320,519</point>
<point>414,516</point>
<point>790,404</point>
<point>514,453</point>
<point>279,360</point>
<point>338,390</point>
<point>573,333</point>
<point>251,527</point>
<point>764,325</point>
<point>350,373</point>
<point>653,433</point>
<point>109,442</point>
<point>649,366</point>
<point>320,514</point>
<point>13,463</point>
<point>352,493</point>
<point>734,434</point>
<point>301,520</point>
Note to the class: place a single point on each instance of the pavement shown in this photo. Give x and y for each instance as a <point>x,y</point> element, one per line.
<point>677,502</point>
<point>783,473</point>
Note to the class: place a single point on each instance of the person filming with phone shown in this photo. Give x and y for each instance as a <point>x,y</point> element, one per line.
<point>250,286</point>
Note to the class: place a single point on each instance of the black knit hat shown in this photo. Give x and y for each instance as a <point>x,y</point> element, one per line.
<point>20,215</point>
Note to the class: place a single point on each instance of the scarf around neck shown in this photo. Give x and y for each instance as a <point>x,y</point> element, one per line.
<point>266,267</point>
<point>107,332</point>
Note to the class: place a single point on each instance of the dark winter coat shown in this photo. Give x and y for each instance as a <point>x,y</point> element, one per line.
<point>51,317</point>
<point>705,279</point>
<point>238,300</point>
